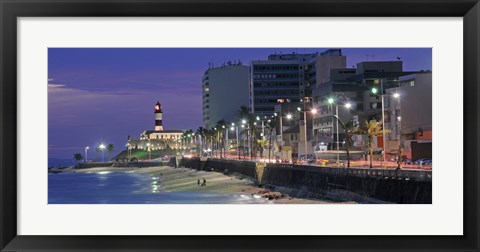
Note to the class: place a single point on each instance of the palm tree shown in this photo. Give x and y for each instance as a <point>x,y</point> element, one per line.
<point>201,132</point>
<point>221,125</point>
<point>110,150</point>
<point>97,150</point>
<point>187,137</point>
<point>208,139</point>
<point>77,157</point>
<point>372,129</point>
<point>262,143</point>
<point>244,113</point>
<point>271,125</point>
<point>350,128</point>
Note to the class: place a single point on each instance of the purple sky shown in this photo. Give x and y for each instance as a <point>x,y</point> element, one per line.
<point>103,95</point>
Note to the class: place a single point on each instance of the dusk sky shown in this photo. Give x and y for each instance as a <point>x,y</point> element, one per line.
<point>103,95</point>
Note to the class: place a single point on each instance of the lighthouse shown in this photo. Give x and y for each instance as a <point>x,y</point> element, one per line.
<point>158,117</point>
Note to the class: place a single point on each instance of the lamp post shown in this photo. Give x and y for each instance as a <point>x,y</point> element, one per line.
<point>398,117</point>
<point>375,91</point>
<point>347,105</point>
<point>86,153</point>
<point>149,151</point>
<point>102,147</point>
<point>225,142</point>
<point>313,111</point>
<point>244,140</point>
<point>288,116</point>
<point>400,141</point>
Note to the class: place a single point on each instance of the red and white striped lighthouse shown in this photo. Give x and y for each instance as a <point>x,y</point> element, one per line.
<point>158,117</point>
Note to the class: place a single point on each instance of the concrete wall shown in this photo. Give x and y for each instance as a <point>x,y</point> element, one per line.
<point>409,187</point>
<point>246,168</point>
<point>398,187</point>
<point>129,164</point>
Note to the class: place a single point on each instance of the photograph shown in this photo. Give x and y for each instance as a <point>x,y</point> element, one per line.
<point>205,125</point>
<point>240,125</point>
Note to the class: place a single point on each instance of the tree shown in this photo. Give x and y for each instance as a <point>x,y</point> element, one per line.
<point>350,128</point>
<point>221,125</point>
<point>110,150</point>
<point>201,132</point>
<point>244,114</point>
<point>271,125</point>
<point>97,150</point>
<point>262,143</point>
<point>371,129</point>
<point>186,138</point>
<point>77,156</point>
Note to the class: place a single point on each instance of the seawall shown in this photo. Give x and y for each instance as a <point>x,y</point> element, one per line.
<point>409,187</point>
<point>139,164</point>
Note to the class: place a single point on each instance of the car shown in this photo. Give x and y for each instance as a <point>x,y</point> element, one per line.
<point>424,161</point>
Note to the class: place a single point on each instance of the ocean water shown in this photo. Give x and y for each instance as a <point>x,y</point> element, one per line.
<point>130,188</point>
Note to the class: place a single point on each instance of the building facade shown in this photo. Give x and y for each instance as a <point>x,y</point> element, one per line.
<point>410,123</point>
<point>289,78</point>
<point>224,90</point>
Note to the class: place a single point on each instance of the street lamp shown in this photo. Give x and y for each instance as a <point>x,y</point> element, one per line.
<point>400,143</point>
<point>86,153</point>
<point>102,147</point>
<point>375,91</point>
<point>238,143</point>
<point>225,142</point>
<point>348,106</point>
<point>288,116</point>
<point>244,140</point>
<point>313,111</point>
<point>149,152</point>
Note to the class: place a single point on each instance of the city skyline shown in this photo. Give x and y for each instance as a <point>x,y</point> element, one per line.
<point>102,95</point>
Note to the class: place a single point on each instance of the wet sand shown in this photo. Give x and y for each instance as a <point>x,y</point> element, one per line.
<point>185,179</point>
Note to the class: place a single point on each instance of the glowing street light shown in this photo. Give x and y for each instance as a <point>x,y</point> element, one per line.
<point>102,147</point>
<point>86,153</point>
<point>288,116</point>
<point>313,111</point>
<point>149,151</point>
<point>348,106</point>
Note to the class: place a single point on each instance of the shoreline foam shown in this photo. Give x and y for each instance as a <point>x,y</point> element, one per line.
<point>186,179</point>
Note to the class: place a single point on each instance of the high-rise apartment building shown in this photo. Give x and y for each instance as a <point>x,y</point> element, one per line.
<point>289,77</point>
<point>224,90</point>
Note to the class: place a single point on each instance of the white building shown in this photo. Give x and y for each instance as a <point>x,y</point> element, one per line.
<point>225,89</point>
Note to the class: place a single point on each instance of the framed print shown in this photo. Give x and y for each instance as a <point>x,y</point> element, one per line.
<point>209,125</point>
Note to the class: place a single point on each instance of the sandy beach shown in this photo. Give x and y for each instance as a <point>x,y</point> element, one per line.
<point>185,179</point>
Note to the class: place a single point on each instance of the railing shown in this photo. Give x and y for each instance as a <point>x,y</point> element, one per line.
<point>417,175</point>
<point>392,174</point>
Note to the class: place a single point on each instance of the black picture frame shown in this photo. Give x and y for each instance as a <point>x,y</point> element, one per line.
<point>10,10</point>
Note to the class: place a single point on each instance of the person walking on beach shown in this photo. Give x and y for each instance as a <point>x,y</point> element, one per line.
<point>204,182</point>
<point>198,182</point>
